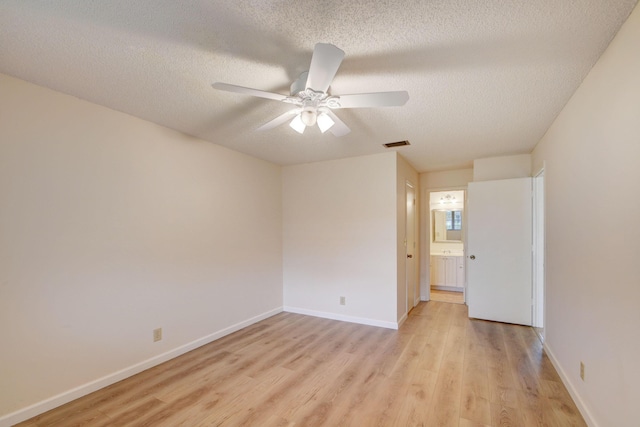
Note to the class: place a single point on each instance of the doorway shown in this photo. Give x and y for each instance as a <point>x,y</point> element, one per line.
<point>446,246</point>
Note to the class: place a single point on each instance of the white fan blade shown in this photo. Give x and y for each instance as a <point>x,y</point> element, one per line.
<point>283,118</point>
<point>339,128</point>
<point>325,62</point>
<point>378,99</point>
<point>248,91</point>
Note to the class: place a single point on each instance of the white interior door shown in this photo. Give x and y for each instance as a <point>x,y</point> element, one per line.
<point>499,250</point>
<point>410,240</point>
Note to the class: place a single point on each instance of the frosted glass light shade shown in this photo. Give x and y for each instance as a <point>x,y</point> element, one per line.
<point>297,124</point>
<point>325,122</point>
<point>308,117</point>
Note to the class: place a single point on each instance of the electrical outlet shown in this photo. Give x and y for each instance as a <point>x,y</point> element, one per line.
<point>157,334</point>
<point>343,301</point>
<point>582,370</point>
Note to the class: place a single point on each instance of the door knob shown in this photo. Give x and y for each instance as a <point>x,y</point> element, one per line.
<point>472,257</point>
<point>409,256</point>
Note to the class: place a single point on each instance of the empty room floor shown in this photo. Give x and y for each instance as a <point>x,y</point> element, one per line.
<point>439,369</point>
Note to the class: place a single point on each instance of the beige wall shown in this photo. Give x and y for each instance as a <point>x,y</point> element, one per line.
<point>111,226</point>
<point>340,239</point>
<point>592,183</point>
<point>446,180</point>
<point>503,167</point>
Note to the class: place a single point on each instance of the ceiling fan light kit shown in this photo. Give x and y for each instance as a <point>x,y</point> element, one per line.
<point>309,116</point>
<point>297,124</point>
<point>309,94</point>
<point>325,122</point>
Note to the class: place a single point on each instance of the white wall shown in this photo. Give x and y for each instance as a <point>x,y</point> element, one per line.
<point>111,226</point>
<point>340,239</point>
<point>504,167</point>
<point>406,173</point>
<point>435,181</point>
<point>592,184</point>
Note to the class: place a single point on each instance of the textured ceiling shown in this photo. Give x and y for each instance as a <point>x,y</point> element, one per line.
<point>485,78</point>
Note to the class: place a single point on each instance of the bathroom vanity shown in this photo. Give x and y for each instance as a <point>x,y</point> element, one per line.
<point>447,272</point>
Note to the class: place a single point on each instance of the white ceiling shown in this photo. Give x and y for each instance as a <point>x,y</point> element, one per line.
<point>485,78</point>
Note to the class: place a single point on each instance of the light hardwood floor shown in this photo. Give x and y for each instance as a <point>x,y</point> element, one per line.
<point>439,369</point>
<point>447,296</point>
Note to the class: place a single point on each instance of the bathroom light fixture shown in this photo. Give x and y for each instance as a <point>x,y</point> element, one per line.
<point>448,199</point>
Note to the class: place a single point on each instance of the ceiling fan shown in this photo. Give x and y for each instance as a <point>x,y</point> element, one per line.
<point>309,94</point>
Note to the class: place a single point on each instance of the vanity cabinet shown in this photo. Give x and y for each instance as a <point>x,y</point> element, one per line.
<point>447,271</point>
<point>460,277</point>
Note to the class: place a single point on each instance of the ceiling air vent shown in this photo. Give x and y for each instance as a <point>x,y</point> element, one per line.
<point>396,144</point>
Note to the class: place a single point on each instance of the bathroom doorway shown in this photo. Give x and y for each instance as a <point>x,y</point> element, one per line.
<point>446,246</point>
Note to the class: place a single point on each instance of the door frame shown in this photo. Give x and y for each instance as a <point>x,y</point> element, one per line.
<point>411,272</point>
<point>425,238</point>
<point>538,253</point>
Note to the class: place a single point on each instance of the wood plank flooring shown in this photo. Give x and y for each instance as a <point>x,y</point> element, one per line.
<point>439,369</point>
<point>447,296</point>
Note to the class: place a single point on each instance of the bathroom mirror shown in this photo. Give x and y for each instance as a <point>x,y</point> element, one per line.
<point>446,225</point>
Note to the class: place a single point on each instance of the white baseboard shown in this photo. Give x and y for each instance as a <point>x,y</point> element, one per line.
<point>342,317</point>
<point>67,396</point>
<point>582,407</point>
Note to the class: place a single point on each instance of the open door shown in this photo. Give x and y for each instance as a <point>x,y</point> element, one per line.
<point>410,239</point>
<point>499,250</point>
